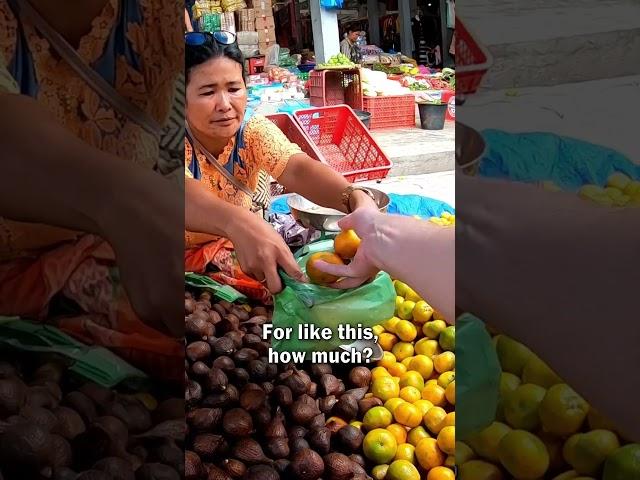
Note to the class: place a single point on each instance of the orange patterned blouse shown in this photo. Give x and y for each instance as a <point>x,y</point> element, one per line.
<point>266,148</point>
<point>157,41</point>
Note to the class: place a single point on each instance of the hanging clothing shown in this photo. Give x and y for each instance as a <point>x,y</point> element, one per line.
<point>452,47</point>
<point>451,14</point>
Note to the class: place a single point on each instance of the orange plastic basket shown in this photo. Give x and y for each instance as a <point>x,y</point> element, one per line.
<point>472,60</point>
<point>345,143</point>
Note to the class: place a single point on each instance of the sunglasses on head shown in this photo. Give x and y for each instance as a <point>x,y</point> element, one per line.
<point>200,38</point>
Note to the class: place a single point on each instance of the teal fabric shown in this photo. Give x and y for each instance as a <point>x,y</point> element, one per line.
<point>568,162</point>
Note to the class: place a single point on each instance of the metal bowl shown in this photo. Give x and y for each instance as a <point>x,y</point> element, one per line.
<point>470,149</point>
<point>310,215</point>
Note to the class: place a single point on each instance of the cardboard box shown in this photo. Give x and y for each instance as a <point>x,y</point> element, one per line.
<point>261,5</point>
<point>247,38</point>
<point>266,36</point>
<point>265,23</point>
<point>250,50</point>
<point>263,46</point>
<point>246,14</point>
<point>228,22</point>
<point>247,25</point>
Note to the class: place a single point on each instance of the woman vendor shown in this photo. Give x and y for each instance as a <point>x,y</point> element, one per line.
<point>80,182</point>
<point>224,155</point>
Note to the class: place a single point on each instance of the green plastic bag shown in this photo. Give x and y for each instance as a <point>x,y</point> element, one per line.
<point>477,376</point>
<point>301,303</point>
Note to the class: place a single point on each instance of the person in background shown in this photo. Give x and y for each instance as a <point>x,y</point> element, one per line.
<point>349,46</point>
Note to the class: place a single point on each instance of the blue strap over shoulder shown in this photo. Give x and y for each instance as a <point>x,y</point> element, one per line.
<point>194,167</point>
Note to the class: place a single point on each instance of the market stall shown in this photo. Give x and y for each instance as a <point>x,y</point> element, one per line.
<point>305,417</point>
<point>279,76</point>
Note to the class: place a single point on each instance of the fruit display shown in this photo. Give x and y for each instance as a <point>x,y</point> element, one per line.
<point>409,430</point>
<point>337,61</point>
<point>54,427</point>
<point>445,219</point>
<point>251,419</point>
<point>619,191</point>
<point>543,429</point>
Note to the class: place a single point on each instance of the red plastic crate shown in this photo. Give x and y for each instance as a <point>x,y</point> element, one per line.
<point>393,111</point>
<point>472,60</point>
<point>345,143</point>
<point>295,134</point>
<point>335,87</point>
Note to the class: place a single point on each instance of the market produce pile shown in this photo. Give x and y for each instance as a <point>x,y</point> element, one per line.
<point>543,429</point>
<point>51,427</point>
<point>376,84</point>
<point>445,219</point>
<point>619,191</point>
<point>337,61</point>
<point>251,419</point>
<point>410,429</point>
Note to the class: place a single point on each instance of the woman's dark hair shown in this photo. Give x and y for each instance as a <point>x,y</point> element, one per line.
<point>195,55</point>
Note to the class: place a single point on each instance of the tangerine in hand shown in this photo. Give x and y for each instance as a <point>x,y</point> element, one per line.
<point>346,244</point>
<point>317,276</point>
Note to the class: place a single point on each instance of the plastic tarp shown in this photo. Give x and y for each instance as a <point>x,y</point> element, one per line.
<point>409,205</point>
<point>535,157</point>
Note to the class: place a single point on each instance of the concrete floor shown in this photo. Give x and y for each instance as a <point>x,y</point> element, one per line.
<point>548,42</point>
<point>414,151</point>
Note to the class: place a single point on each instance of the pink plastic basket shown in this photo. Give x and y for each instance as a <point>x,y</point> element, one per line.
<point>344,142</point>
<point>335,87</point>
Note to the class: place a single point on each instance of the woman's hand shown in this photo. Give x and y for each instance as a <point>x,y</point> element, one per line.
<point>148,240</point>
<point>260,251</point>
<point>364,265</point>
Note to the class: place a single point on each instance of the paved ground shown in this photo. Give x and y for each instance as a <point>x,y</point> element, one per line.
<point>417,151</point>
<point>548,42</point>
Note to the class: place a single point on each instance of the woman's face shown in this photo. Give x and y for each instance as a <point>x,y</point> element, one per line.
<point>216,98</point>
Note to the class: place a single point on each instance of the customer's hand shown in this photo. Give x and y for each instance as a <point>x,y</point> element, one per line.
<point>260,251</point>
<point>364,265</point>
